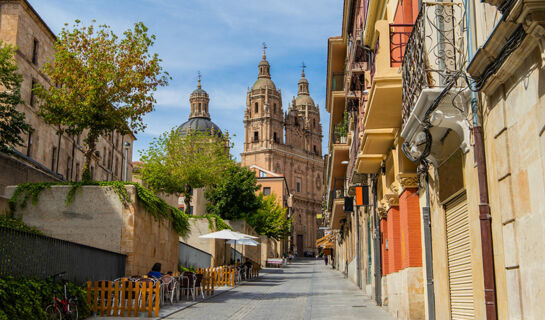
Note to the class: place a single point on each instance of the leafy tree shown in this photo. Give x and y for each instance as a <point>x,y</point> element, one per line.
<point>12,122</point>
<point>270,219</point>
<point>176,163</point>
<point>102,83</point>
<point>233,196</point>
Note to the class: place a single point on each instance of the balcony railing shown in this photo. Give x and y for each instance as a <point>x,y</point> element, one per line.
<point>435,52</point>
<point>337,83</point>
<point>399,36</point>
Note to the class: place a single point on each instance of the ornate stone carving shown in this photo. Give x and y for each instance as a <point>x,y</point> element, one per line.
<point>392,199</point>
<point>408,182</point>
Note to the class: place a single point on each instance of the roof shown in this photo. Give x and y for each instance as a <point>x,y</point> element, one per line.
<point>200,125</point>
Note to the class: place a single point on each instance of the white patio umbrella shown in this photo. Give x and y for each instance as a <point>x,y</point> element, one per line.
<point>246,235</point>
<point>246,242</point>
<point>226,235</point>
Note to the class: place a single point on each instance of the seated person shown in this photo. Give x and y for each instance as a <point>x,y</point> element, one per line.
<point>155,271</point>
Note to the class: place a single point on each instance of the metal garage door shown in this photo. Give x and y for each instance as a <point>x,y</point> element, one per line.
<point>459,259</point>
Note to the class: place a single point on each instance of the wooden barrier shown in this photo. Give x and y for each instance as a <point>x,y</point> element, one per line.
<point>123,298</point>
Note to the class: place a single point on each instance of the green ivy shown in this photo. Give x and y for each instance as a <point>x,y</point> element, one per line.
<point>17,224</point>
<point>215,222</point>
<point>27,298</point>
<point>154,205</point>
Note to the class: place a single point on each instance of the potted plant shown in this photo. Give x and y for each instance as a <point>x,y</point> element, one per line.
<point>341,129</point>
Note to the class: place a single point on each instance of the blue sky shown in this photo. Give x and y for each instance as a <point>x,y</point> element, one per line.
<point>221,39</point>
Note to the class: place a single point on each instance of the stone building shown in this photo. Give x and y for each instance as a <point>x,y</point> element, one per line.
<point>46,155</point>
<point>289,144</point>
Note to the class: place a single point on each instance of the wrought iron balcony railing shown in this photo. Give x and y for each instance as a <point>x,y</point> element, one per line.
<point>399,36</point>
<point>435,53</point>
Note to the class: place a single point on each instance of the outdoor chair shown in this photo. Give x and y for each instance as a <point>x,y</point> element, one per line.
<point>188,284</point>
<point>198,283</point>
<point>169,286</point>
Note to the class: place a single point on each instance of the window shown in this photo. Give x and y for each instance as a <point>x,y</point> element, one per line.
<point>314,123</point>
<point>35,52</point>
<point>298,184</point>
<point>296,121</point>
<point>315,150</point>
<point>200,107</point>
<point>274,108</point>
<point>256,136</point>
<point>267,191</point>
<point>29,144</point>
<point>256,107</point>
<point>275,138</point>
<point>68,163</point>
<point>54,159</point>
<point>262,174</point>
<point>32,98</point>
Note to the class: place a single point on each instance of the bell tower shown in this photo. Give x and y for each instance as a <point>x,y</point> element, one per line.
<point>263,117</point>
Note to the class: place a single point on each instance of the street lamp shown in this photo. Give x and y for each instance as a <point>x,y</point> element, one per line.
<point>126,146</point>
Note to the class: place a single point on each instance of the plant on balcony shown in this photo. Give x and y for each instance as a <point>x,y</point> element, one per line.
<point>341,129</point>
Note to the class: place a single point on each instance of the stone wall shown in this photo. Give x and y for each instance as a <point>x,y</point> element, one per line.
<point>405,294</point>
<point>98,219</point>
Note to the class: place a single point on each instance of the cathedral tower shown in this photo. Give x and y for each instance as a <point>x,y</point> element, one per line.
<point>289,144</point>
<point>263,118</point>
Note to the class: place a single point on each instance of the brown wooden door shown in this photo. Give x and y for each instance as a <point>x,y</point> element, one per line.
<point>300,247</point>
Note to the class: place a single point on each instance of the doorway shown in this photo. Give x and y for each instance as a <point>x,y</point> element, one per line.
<point>300,248</point>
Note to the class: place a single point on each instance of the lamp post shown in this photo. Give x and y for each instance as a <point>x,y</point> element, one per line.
<point>126,146</point>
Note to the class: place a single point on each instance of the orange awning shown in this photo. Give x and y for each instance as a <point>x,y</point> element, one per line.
<point>322,240</point>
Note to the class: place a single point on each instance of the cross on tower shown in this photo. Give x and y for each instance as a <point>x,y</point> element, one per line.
<point>303,66</point>
<point>264,47</point>
<point>199,75</point>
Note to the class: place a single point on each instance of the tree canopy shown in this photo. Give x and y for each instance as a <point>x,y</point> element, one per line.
<point>12,122</point>
<point>176,163</point>
<point>100,83</point>
<point>271,218</point>
<point>233,195</point>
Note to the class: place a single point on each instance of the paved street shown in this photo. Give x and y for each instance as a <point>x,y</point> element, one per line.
<point>305,289</point>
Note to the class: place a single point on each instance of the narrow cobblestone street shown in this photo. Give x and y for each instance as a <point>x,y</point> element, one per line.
<point>305,289</point>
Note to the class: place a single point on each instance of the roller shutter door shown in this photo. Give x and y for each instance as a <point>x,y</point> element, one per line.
<point>459,259</point>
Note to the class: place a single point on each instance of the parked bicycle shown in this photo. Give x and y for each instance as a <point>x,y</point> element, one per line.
<point>63,307</point>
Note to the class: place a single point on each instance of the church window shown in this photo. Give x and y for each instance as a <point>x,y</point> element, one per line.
<point>274,108</point>
<point>200,107</point>
<point>315,149</point>
<point>35,52</point>
<point>256,107</point>
<point>256,136</point>
<point>298,184</point>
<point>275,138</point>
<point>314,123</point>
<point>32,97</point>
<point>54,158</point>
<point>267,191</point>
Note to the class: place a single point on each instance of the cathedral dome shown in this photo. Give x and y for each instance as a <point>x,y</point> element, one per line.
<point>262,83</point>
<point>199,118</point>
<point>303,95</point>
<point>304,100</point>
<point>199,125</point>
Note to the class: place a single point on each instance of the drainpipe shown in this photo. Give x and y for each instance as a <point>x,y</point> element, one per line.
<point>426,224</point>
<point>358,247</point>
<point>377,246</point>
<point>484,207</point>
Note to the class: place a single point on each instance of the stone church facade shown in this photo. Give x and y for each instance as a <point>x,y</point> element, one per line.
<point>290,144</point>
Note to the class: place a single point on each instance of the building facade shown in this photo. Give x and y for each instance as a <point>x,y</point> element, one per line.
<point>437,108</point>
<point>46,155</point>
<point>288,144</point>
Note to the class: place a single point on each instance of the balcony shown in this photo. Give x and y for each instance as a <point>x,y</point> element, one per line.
<point>339,152</point>
<point>433,98</point>
<point>336,203</point>
<point>382,118</point>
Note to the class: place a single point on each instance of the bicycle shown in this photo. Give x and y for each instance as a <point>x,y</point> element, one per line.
<point>61,308</point>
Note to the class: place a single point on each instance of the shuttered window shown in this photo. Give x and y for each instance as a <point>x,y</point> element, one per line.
<point>459,259</point>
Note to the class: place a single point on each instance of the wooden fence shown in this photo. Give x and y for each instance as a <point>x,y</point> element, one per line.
<point>123,298</point>
<point>128,298</point>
